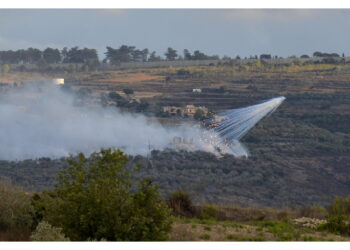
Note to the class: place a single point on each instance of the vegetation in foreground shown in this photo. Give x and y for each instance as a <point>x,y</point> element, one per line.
<point>95,199</point>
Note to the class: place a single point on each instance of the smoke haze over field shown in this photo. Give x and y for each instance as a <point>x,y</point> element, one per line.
<point>45,123</point>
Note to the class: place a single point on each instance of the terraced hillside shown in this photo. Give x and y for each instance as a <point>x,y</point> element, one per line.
<point>299,155</point>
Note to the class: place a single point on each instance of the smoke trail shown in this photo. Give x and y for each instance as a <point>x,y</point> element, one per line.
<point>45,123</point>
<point>237,122</point>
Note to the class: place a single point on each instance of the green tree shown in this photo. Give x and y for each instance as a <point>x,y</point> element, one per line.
<point>52,55</point>
<point>338,218</point>
<point>187,55</point>
<point>199,114</point>
<point>93,199</point>
<point>171,54</point>
<point>128,91</point>
<point>154,58</point>
<point>5,68</point>
<point>15,208</point>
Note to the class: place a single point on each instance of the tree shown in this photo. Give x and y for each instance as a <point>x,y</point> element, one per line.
<point>125,54</point>
<point>15,208</point>
<point>128,91</point>
<point>52,55</point>
<point>5,68</point>
<point>197,55</point>
<point>153,57</point>
<point>171,54</point>
<point>187,55</point>
<point>93,199</point>
<point>114,96</point>
<point>265,56</point>
<point>199,114</point>
<point>76,55</point>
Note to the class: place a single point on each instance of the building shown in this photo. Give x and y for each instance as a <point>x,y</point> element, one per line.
<point>188,110</point>
<point>173,110</point>
<point>58,81</point>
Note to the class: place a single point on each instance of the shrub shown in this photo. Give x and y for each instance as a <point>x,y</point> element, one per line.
<point>5,68</point>
<point>209,212</point>
<point>16,210</point>
<point>205,237</point>
<point>45,232</point>
<point>128,91</point>
<point>338,220</point>
<point>181,204</point>
<point>93,200</point>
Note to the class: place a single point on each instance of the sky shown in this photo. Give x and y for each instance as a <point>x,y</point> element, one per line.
<point>231,32</point>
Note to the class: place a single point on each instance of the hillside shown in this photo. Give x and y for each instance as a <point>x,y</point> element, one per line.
<point>300,155</point>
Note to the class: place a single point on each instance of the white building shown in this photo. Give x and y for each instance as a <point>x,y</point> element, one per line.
<point>58,81</point>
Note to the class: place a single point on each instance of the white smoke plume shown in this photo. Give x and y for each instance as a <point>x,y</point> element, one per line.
<point>45,123</point>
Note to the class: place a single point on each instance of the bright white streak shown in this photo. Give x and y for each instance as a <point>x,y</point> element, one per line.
<point>237,123</point>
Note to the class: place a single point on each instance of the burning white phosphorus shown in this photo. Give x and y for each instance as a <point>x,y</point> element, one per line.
<point>236,123</point>
<point>46,123</point>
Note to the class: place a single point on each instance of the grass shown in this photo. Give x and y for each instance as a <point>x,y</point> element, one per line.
<point>194,229</point>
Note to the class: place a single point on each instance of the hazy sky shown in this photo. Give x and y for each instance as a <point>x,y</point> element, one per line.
<point>220,31</point>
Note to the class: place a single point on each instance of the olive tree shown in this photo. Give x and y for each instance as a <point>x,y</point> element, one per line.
<point>93,199</point>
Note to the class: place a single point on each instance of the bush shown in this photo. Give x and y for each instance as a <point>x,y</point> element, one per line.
<point>209,212</point>
<point>93,200</point>
<point>45,232</point>
<point>16,210</point>
<point>128,91</point>
<point>5,68</point>
<point>199,114</point>
<point>181,204</point>
<point>338,220</point>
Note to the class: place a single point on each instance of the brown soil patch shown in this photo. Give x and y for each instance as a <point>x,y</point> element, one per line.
<point>138,77</point>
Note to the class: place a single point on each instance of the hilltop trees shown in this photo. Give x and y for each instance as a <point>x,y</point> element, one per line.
<point>198,55</point>
<point>5,68</point>
<point>76,55</point>
<point>126,54</point>
<point>320,54</point>
<point>153,57</point>
<point>89,57</point>
<point>93,199</point>
<point>171,54</point>
<point>51,55</point>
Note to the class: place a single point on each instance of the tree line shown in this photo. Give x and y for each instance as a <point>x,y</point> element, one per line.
<point>116,56</point>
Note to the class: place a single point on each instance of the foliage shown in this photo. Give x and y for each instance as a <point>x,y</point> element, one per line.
<point>114,96</point>
<point>199,114</point>
<point>338,220</point>
<point>128,91</point>
<point>126,54</point>
<point>5,68</point>
<point>281,230</point>
<point>76,55</point>
<point>51,55</point>
<point>198,55</point>
<point>209,212</point>
<point>181,204</point>
<point>171,54</point>
<point>45,232</point>
<point>93,199</point>
<point>15,208</point>
<point>320,54</point>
